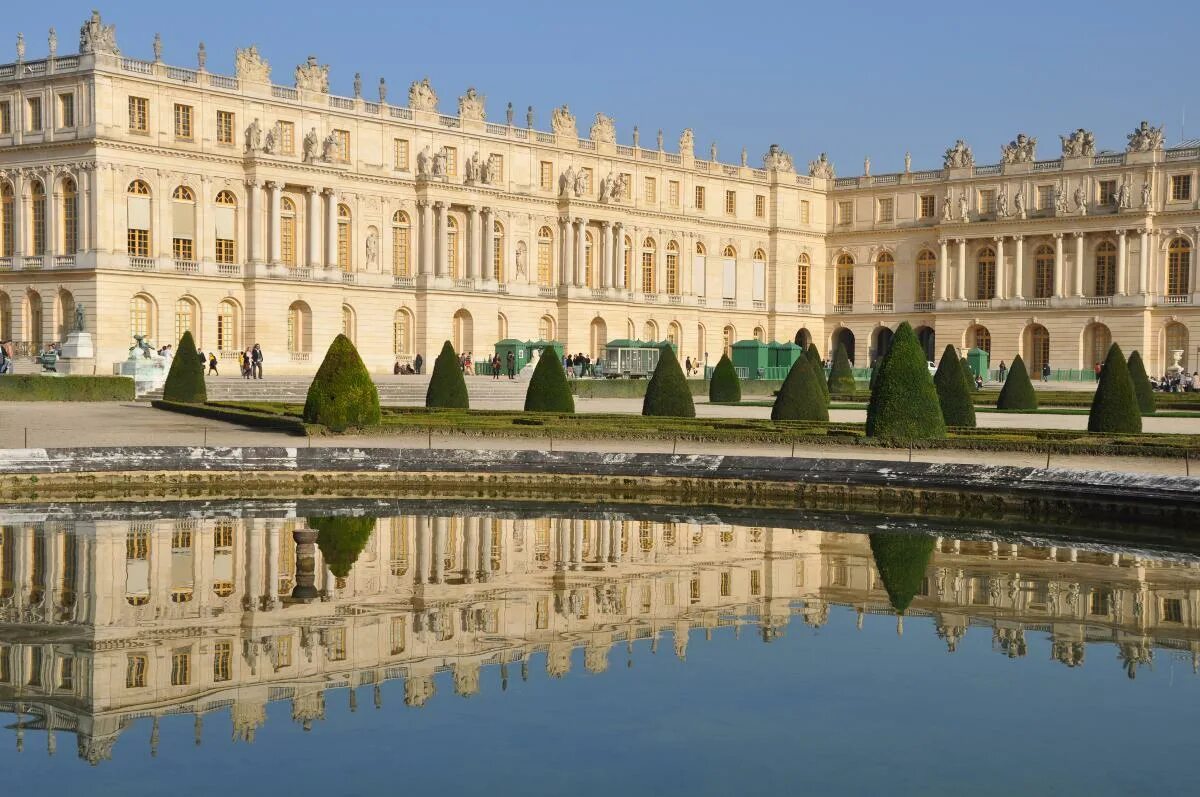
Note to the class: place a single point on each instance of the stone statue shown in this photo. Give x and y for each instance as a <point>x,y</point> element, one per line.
<point>1019,203</point>
<point>271,140</point>
<point>959,156</point>
<point>157,47</point>
<point>80,318</point>
<point>712,152</point>
<point>424,162</point>
<point>821,167</point>
<point>1060,200</point>
<point>52,43</point>
<point>382,91</point>
<point>372,247</point>
<point>637,136</point>
<point>96,37</point>
<point>201,57</point>
<point>508,115</point>
<point>1078,144</point>
<point>619,188</point>
<point>529,117</point>
<point>471,106</point>
<point>660,139</point>
<point>777,159</point>
<point>254,136</point>
<point>908,163</point>
<point>358,85</point>
<point>562,122</point>
<point>687,143</point>
<point>964,206</point>
<point>1022,149</point>
<point>867,166</point>
<point>439,163</point>
<point>947,213</point>
<point>520,258</point>
<point>487,174</point>
<point>1145,138</point>
<point>1002,205</point>
<point>566,182</point>
<point>311,141</point>
<point>744,160</point>
<point>311,76</point>
<point>603,130</point>
<point>329,148</point>
<point>21,47</point>
<point>1122,199</point>
<point>422,97</point>
<point>1146,195</point>
<point>581,183</point>
<point>250,66</point>
<point>473,169</point>
<point>1080,200</point>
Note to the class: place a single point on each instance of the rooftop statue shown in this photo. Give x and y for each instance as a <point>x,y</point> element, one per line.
<point>470,106</point>
<point>250,65</point>
<point>603,129</point>
<point>821,167</point>
<point>1145,138</point>
<point>422,97</point>
<point>96,37</point>
<point>1081,143</point>
<point>1023,149</point>
<point>687,142</point>
<point>562,122</point>
<point>959,156</point>
<point>777,159</point>
<point>311,76</point>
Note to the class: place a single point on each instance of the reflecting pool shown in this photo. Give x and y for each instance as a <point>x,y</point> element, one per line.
<point>504,649</point>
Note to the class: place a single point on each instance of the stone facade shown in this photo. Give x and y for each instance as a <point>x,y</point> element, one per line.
<point>165,198</point>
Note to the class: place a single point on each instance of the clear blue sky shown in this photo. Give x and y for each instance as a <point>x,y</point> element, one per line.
<point>853,79</point>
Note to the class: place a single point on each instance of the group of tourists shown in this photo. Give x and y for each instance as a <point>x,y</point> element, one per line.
<point>251,362</point>
<point>508,366</point>
<point>578,365</point>
<point>409,369</point>
<point>1178,382</point>
<point>7,355</point>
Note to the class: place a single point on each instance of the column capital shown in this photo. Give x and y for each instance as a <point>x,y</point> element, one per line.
<point>961,241</point>
<point>271,184</point>
<point>251,183</point>
<point>310,189</point>
<point>440,205</point>
<point>1078,233</point>
<point>487,210</point>
<point>998,238</point>
<point>1057,235</point>
<point>1018,238</point>
<point>580,220</point>
<point>1122,232</point>
<point>327,192</point>
<point>423,203</point>
<point>1142,230</point>
<point>472,208</point>
<point>606,225</point>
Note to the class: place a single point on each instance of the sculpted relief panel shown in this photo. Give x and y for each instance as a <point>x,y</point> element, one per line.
<point>422,97</point>
<point>251,66</point>
<point>311,76</point>
<point>562,122</point>
<point>470,106</point>
<point>603,130</point>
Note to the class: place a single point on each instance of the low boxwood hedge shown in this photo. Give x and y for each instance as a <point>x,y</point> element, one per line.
<point>278,421</point>
<point>36,387</point>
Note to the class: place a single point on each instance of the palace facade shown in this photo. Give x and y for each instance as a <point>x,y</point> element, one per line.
<point>164,199</point>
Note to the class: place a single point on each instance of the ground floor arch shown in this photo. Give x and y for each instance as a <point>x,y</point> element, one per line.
<point>1035,348</point>
<point>5,316</point>
<point>1175,338</point>
<point>978,337</point>
<point>464,332</point>
<point>1097,338</point>
<point>598,336</point>
<point>845,338</point>
<point>927,337</point>
<point>803,338</point>
<point>299,331</point>
<point>881,344</point>
<point>33,319</point>
<point>64,314</point>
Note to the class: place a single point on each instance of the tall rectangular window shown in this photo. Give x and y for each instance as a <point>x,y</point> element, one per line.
<point>845,212</point>
<point>223,661</point>
<point>760,206</point>
<point>135,671</point>
<point>1045,194</point>
<point>287,138</point>
<point>928,206</point>
<point>70,219</point>
<point>887,212</point>
<point>699,197</point>
<point>183,122</point>
<point>139,114</point>
<point>5,118</point>
<point>497,162</point>
<point>546,175</point>
<point>138,242</point>
<point>730,203</point>
<point>181,667</point>
<point>225,252</point>
<point>342,137</point>
<point>673,193</point>
<point>66,110</point>
<point>650,191</point>
<point>1181,187</point>
<point>400,154</point>
<point>182,249</point>
<point>1108,190</point>
<point>33,116</point>
<point>805,211</point>
<point>452,161</point>
<point>987,201</point>
<point>224,127</point>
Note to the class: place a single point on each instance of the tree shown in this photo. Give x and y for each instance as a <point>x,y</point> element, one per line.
<point>1017,393</point>
<point>818,368</point>
<point>1115,405</point>
<point>904,404</point>
<point>841,376</point>
<point>548,390</point>
<point>724,385</point>
<point>447,388</point>
<point>342,394</point>
<point>901,560</point>
<point>953,395</point>
<point>1141,384</point>
<point>668,394</point>
<point>341,540</point>
<point>185,380</point>
<point>800,398</point>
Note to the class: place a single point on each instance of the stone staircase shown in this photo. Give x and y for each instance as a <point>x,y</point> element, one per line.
<point>393,391</point>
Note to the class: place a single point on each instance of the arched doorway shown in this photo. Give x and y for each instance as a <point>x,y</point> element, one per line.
<point>64,316</point>
<point>845,338</point>
<point>803,338</point>
<point>464,333</point>
<point>1096,341</point>
<point>349,324</point>
<point>928,341</point>
<point>728,338</point>
<point>650,332</point>
<point>599,337</point>
<point>33,319</point>
<point>1035,345</point>
<point>299,331</point>
<point>5,316</point>
<point>881,344</point>
<point>978,337</point>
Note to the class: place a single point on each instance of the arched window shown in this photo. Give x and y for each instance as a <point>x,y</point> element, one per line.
<point>926,275</point>
<point>700,250</point>
<point>65,317</point>
<point>1043,272</point>
<point>299,331</point>
<point>226,227</point>
<point>344,259</point>
<point>728,338</point>
<point>1106,269</point>
<point>545,256</point>
<point>141,316</point>
<point>729,252</point>
<point>672,268</point>
<point>33,318</point>
<point>183,224</point>
<point>498,253</point>
<point>37,205</point>
<point>759,334</point>
<point>589,272</point>
<point>1179,264</point>
<point>599,337</point>
<point>228,327</point>
<point>980,338</point>
<point>1096,340</point>
<point>287,232</point>
<point>402,328</point>
<point>401,244</point>
<point>885,278</point>
<point>985,273</point>
<point>649,259</point>
<point>349,325</point>
<point>650,331</point>
<point>5,316</point>
<point>186,314</point>
<point>70,217</point>
<point>844,275</point>
<point>675,334</point>
<point>6,221</point>
<point>628,265</point>
<point>137,239</point>
<point>501,326</point>
<point>546,328</point>
<point>1037,349</point>
<point>803,279</point>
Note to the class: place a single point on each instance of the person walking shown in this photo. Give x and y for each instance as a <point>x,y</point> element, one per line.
<point>244,362</point>
<point>256,361</point>
<point>1003,371</point>
<point>1096,370</point>
<point>418,362</point>
<point>212,364</point>
<point>512,365</point>
<point>1046,371</point>
<point>495,367</point>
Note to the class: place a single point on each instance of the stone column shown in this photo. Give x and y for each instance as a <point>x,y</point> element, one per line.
<point>999,288</point>
<point>1143,259</point>
<point>273,222</point>
<point>604,262</point>
<point>488,231</point>
<point>1019,268</point>
<point>470,565</point>
<point>311,215</point>
<point>442,252</point>
<point>576,544</point>
<point>272,532</point>
<point>580,253</point>
<point>421,543</point>
<point>485,548</point>
<point>255,553</point>
<point>960,290</point>
<point>474,242</point>
<point>253,222</point>
<point>619,256</point>
<point>1121,264</point>
<point>566,269</point>
<point>331,257</point>
<point>441,530</point>
<point>1058,265</point>
<point>943,272</point>
<point>1079,264</point>
<point>424,237</point>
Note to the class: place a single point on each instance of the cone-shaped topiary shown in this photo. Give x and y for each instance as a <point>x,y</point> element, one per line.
<point>342,394</point>
<point>1141,384</point>
<point>724,385</point>
<point>185,380</point>
<point>968,374</point>
<point>904,404</point>
<point>548,391</point>
<point>901,560</point>
<point>818,368</point>
<point>341,540</point>
<point>1017,393</point>
<point>668,394</point>
<point>953,395</point>
<point>841,377</point>
<point>800,398</point>
<point>447,388</point>
<point>1115,406</point>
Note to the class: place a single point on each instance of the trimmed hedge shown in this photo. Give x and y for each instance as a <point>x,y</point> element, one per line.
<point>1141,384</point>
<point>341,540</point>
<point>36,387</point>
<point>1115,406</point>
<point>901,560</point>
<point>234,414</point>
<point>724,385</point>
<point>904,404</point>
<point>841,377</point>
<point>953,395</point>
<point>818,368</point>
<point>1018,392</point>
<point>185,379</point>
<point>342,394</point>
<point>548,390</point>
<point>800,398</point>
<point>447,388</point>
<point>667,394</point>
<point>968,374</point>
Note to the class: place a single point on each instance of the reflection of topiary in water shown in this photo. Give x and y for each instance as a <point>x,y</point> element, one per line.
<point>341,540</point>
<point>901,560</point>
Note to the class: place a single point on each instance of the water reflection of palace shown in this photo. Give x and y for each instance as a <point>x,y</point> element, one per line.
<point>103,623</point>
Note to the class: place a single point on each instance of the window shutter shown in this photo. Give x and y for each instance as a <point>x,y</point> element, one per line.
<point>183,220</point>
<point>139,212</point>
<point>760,280</point>
<point>224,218</point>
<point>698,286</point>
<point>729,278</point>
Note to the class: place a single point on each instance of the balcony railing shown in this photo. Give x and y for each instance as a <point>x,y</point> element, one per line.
<point>729,304</point>
<point>1177,298</point>
<point>1036,303</point>
<point>923,307</point>
<point>141,263</point>
<point>6,263</point>
<point>599,293</point>
<point>64,261</point>
<point>33,262</point>
<point>229,269</point>
<point>1097,301</point>
<point>803,307</point>
<point>403,282</point>
<point>701,301</point>
<point>299,356</point>
<point>466,283</point>
<point>979,304</point>
<point>650,298</point>
<point>842,309</point>
<point>547,292</point>
<point>187,266</point>
<point>758,304</point>
<point>349,278</point>
<point>674,298</point>
<point>884,307</point>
